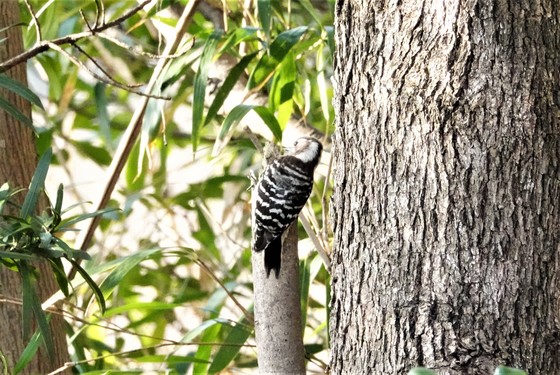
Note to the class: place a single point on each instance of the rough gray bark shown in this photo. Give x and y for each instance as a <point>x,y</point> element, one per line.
<point>17,165</point>
<point>447,187</point>
<point>278,329</point>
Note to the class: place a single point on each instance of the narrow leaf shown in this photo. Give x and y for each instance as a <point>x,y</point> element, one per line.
<point>236,115</point>
<point>60,275</point>
<point>278,50</point>
<point>76,219</point>
<point>205,351</point>
<point>16,113</point>
<point>265,9</point>
<point>232,344</point>
<point>102,113</point>
<point>238,35</point>
<point>150,128</point>
<point>28,353</point>
<point>31,302</point>
<point>20,89</point>
<point>306,4</point>
<point>96,290</point>
<point>503,370</point>
<point>15,255</point>
<point>123,268</point>
<point>27,299</point>
<point>36,185</point>
<point>228,84</point>
<point>200,81</point>
<point>59,197</point>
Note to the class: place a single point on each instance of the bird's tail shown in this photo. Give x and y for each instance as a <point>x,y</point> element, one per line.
<point>273,256</point>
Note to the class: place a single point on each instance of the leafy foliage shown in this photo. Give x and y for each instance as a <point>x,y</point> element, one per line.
<point>29,237</point>
<point>173,265</point>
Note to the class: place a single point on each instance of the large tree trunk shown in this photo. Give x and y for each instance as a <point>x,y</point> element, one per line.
<point>17,164</point>
<point>447,191</point>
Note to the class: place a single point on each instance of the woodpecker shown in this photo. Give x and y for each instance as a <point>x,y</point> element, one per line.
<point>280,195</point>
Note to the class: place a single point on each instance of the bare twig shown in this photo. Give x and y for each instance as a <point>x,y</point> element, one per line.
<point>87,23</point>
<point>35,21</point>
<point>247,314</point>
<point>45,45</point>
<point>133,129</point>
<point>253,139</point>
<point>138,51</point>
<point>69,365</point>
<point>316,242</point>
<point>108,79</point>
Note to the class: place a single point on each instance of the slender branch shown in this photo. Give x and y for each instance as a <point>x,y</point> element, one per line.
<point>247,314</point>
<point>69,365</point>
<point>139,51</point>
<point>133,129</point>
<point>90,58</point>
<point>45,45</point>
<point>35,21</point>
<point>87,23</point>
<point>316,242</point>
<point>108,80</point>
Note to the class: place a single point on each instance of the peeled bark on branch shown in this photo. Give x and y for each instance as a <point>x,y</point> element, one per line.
<point>278,328</point>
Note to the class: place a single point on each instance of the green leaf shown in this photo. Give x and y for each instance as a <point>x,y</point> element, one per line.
<point>285,41</point>
<point>236,115</point>
<point>98,154</point>
<point>20,89</point>
<point>76,219</point>
<point>15,255</point>
<point>277,52</point>
<point>228,84</point>
<point>124,266</point>
<point>96,290</point>
<point>102,114</point>
<point>322,85</point>
<point>150,128</point>
<point>36,185</point>
<point>59,197</point>
<point>193,333</point>
<point>238,35</point>
<point>200,81</point>
<point>28,353</point>
<point>330,39</point>
<point>421,371</point>
<point>60,275</point>
<point>306,4</point>
<point>53,68</point>
<point>27,299</point>
<point>503,370</point>
<point>31,301</point>
<point>232,344</point>
<point>205,351</point>
<point>16,113</point>
<point>265,11</point>
<point>282,90</point>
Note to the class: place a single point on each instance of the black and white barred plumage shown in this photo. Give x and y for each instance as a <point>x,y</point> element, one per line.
<point>280,195</point>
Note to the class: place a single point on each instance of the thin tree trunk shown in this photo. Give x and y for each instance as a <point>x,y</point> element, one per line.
<point>447,191</point>
<point>278,329</point>
<point>17,165</point>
